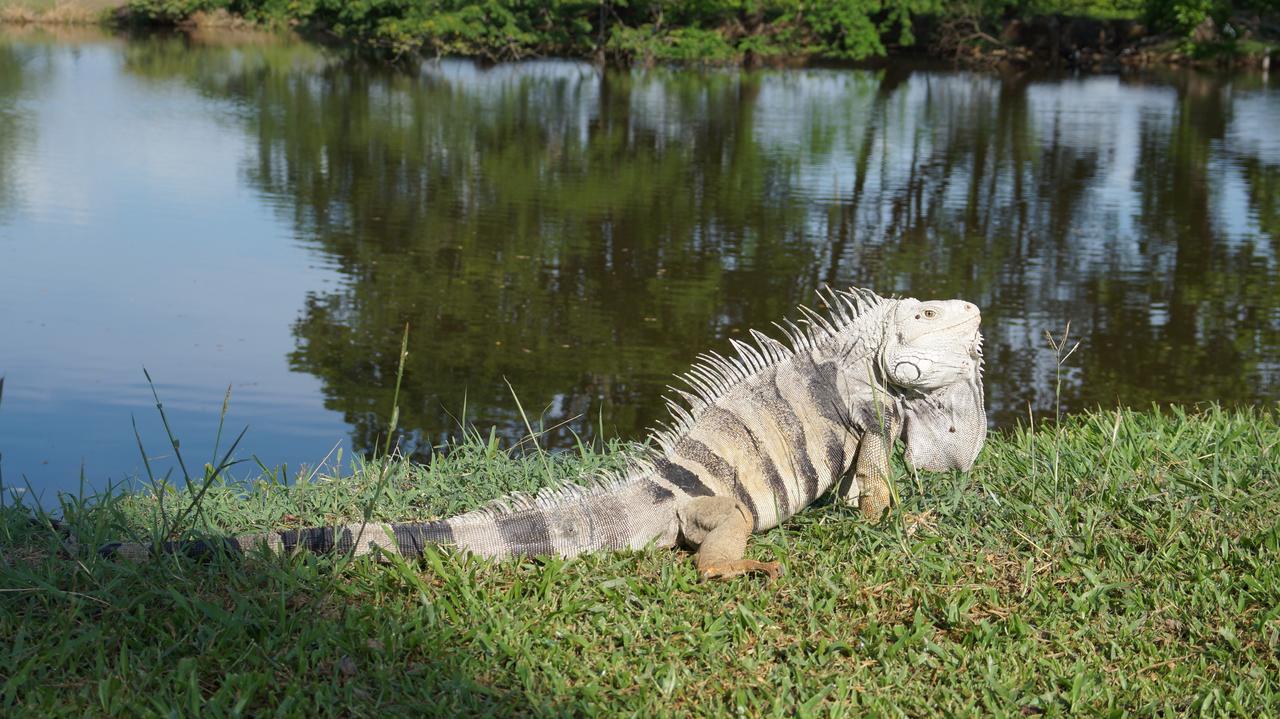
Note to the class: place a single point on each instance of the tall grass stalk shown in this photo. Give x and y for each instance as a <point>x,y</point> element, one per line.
<point>1060,353</point>
<point>533,436</point>
<point>395,395</point>
<point>384,463</point>
<point>164,527</point>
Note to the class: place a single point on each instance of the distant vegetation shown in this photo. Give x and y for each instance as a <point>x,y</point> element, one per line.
<point>730,31</point>
<point>726,32</point>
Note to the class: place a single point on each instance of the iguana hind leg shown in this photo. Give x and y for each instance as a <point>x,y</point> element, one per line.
<point>719,527</point>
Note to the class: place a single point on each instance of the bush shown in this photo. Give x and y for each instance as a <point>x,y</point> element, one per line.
<point>1183,16</point>
<point>855,29</point>
<point>172,11</point>
<point>718,31</point>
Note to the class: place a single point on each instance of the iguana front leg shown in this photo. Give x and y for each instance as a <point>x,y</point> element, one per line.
<point>719,527</point>
<point>871,473</point>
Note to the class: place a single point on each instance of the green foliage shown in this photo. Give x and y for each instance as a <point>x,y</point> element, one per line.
<point>646,31</point>
<point>714,31</point>
<point>1101,9</point>
<point>1144,580</point>
<point>165,11</point>
<point>275,12</point>
<point>647,44</point>
<point>854,29</point>
<point>1183,16</point>
<point>1208,27</point>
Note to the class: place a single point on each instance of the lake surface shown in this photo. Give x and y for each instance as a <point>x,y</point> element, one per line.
<point>267,215</point>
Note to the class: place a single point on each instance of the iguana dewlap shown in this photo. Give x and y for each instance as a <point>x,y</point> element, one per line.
<point>759,437</point>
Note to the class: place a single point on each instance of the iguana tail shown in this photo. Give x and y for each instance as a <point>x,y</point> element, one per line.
<point>626,511</point>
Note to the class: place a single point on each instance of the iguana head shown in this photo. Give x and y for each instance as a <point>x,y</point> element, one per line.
<point>932,352</point>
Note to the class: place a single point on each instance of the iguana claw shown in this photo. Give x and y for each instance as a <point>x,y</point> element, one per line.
<point>729,570</point>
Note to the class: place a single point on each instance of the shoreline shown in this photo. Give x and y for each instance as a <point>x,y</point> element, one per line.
<point>1041,42</point>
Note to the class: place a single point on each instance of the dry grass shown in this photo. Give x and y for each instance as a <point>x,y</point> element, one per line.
<point>57,12</point>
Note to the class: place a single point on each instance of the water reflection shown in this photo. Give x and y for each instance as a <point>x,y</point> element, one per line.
<point>20,69</point>
<point>582,234</point>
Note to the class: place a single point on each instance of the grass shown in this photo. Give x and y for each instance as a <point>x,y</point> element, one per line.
<point>72,12</point>
<point>1145,580</point>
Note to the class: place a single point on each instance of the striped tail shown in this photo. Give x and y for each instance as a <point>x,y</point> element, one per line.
<point>627,512</point>
<point>571,521</point>
<point>407,539</point>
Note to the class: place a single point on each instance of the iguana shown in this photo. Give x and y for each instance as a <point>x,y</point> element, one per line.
<point>757,438</point>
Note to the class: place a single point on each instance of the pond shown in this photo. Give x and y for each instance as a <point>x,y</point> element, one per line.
<point>267,216</point>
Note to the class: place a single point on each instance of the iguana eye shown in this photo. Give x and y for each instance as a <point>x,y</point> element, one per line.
<point>930,314</point>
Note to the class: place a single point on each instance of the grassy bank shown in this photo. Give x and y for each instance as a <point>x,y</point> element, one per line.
<point>73,12</point>
<point>1124,563</point>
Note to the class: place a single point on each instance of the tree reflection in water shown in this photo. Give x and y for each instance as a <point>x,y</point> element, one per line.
<point>585,233</point>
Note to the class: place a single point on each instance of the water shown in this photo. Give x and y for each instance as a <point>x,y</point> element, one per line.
<point>268,216</point>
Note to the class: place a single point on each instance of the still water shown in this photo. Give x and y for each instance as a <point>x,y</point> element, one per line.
<point>267,215</point>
